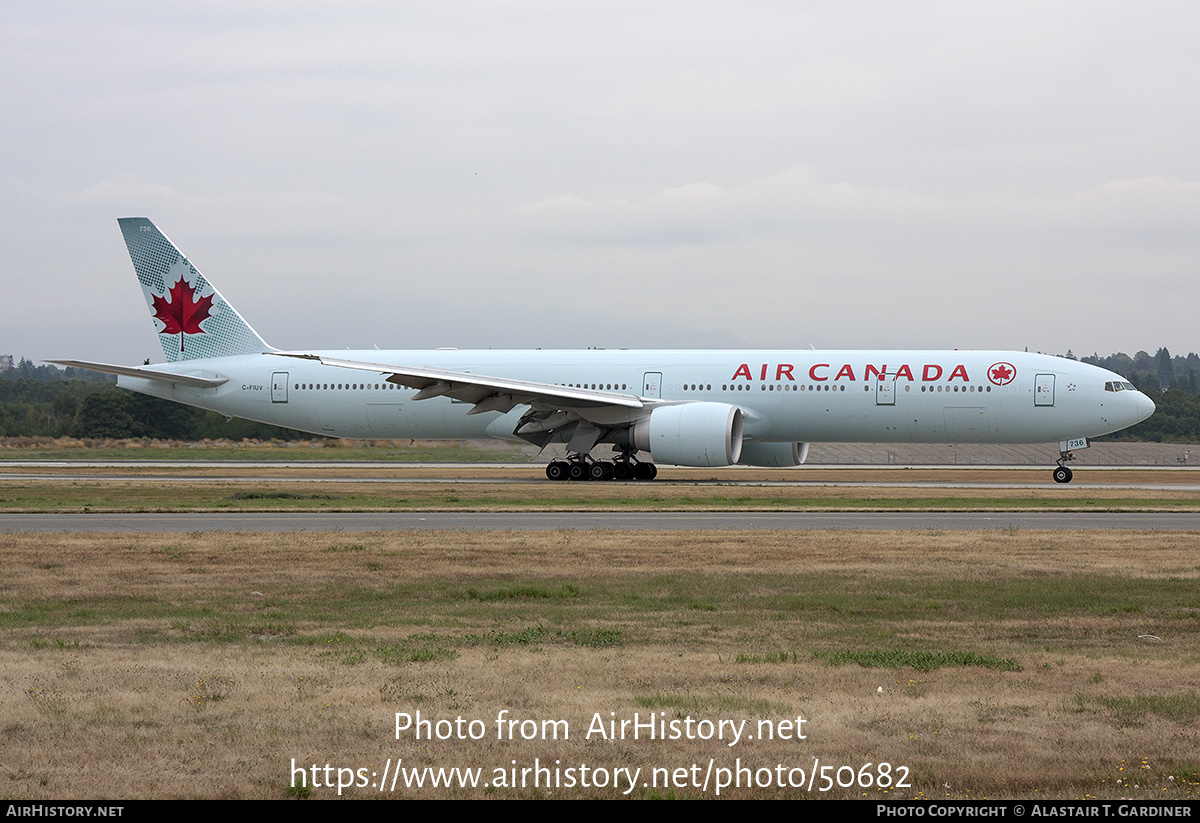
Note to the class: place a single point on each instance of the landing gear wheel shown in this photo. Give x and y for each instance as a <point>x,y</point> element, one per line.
<point>1062,475</point>
<point>645,471</point>
<point>622,470</point>
<point>557,470</point>
<point>578,470</point>
<point>601,470</point>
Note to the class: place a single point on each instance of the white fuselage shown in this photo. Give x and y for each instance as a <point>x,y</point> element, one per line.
<point>809,396</point>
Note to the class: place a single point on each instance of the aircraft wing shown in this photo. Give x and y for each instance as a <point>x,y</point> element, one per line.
<point>552,407</point>
<point>146,373</point>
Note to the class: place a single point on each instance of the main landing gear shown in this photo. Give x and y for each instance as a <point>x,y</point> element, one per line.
<point>1062,474</point>
<point>584,467</point>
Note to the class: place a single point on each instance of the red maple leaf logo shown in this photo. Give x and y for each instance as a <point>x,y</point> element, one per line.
<point>183,314</point>
<point>1002,373</point>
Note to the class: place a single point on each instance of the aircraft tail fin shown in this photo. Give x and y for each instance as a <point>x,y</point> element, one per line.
<point>193,320</point>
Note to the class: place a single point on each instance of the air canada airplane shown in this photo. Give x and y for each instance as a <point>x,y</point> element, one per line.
<point>686,408</point>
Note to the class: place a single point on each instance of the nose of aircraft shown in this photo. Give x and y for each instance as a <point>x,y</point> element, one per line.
<point>1145,407</point>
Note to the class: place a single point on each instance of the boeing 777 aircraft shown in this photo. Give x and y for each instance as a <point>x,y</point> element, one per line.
<point>687,408</point>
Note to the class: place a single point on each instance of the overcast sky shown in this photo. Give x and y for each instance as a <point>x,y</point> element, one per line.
<point>642,174</point>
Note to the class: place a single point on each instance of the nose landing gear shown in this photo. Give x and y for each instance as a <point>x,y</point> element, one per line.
<point>1062,474</point>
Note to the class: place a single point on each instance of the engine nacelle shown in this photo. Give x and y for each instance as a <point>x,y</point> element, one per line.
<point>775,455</point>
<point>691,434</point>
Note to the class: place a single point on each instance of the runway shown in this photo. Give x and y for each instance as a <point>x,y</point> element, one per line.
<point>1127,478</point>
<point>480,481</point>
<point>588,521</point>
<point>1106,484</point>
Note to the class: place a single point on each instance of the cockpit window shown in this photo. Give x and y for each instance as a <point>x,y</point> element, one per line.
<point>1118,385</point>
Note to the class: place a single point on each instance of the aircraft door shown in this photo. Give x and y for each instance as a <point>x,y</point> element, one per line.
<point>279,384</point>
<point>885,392</point>
<point>1043,390</point>
<point>652,384</point>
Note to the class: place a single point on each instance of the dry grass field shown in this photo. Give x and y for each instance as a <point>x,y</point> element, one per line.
<point>981,664</point>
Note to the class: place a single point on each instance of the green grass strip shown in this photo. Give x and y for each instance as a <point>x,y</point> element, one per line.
<point>921,661</point>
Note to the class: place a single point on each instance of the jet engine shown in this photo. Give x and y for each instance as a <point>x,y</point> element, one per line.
<point>774,455</point>
<point>691,434</point>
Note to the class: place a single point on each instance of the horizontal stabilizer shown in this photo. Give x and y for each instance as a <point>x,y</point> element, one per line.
<point>146,373</point>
